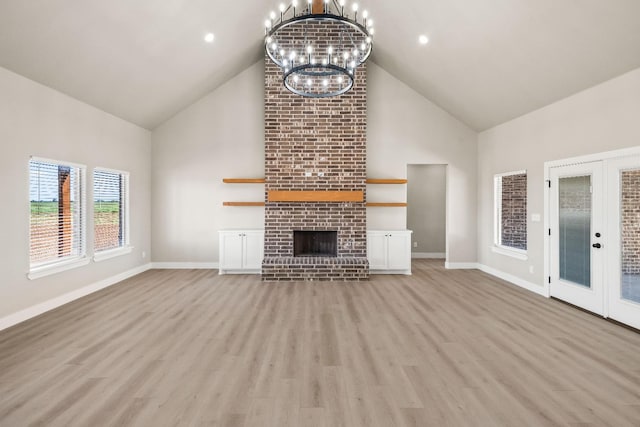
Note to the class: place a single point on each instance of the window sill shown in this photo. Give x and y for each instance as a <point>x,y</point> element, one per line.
<point>513,253</point>
<point>58,267</point>
<point>112,253</point>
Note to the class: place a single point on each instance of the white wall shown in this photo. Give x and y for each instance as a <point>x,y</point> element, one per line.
<point>602,118</point>
<point>38,121</point>
<point>406,128</point>
<point>222,135</point>
<point>426,213</point>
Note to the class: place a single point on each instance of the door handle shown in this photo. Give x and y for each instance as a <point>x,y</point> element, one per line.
<point>597,245</point>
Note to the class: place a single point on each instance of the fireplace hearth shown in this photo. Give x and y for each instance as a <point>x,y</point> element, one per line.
<point>308,243</point>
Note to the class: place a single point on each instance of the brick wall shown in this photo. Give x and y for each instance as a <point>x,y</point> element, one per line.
<point>514,211</point>
<point>630,211</point>
<point>321,136</point>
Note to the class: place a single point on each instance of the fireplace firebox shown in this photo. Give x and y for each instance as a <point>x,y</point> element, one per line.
<point>315,243</point>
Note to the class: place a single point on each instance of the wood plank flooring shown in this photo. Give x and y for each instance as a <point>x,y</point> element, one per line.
<point>439,348</point>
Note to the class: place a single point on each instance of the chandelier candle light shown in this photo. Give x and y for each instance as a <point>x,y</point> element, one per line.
<point>318,45</point>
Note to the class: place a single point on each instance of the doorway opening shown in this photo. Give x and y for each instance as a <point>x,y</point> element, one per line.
<point>427,210</point>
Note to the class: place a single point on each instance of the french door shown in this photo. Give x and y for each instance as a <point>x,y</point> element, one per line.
<point>576,222</point>
<point>595,237</point>
<point>623,215</point>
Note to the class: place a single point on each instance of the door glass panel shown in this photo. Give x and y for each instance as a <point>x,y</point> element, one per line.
<point>575,229</point>
<point>630,234</point>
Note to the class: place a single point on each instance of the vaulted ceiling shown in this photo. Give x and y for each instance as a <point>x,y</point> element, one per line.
<point>487,61</point>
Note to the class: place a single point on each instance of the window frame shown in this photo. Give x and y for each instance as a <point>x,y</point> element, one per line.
<point>66,263</point>
<point>498,247</point>
<point>125,247</point>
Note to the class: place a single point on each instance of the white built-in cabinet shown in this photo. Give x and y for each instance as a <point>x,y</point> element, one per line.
<point>241,251</point>
<point>389,252</point>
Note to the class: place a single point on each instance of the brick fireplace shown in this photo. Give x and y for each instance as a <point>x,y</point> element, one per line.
<point>317,146</point>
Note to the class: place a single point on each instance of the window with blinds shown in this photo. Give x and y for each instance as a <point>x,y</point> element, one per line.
<point>56,226</point>
<point>110,209</point>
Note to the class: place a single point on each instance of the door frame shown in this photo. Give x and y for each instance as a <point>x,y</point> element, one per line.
<point>447,180</point>
<point>604,156</point>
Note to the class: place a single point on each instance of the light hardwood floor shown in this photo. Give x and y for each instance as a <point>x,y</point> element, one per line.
<point>438,348</point>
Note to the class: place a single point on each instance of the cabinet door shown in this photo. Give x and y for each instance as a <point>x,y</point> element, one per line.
<point>231,251</point>
<point>253,250</point>
<point>399,251</point>
<point>377,250</point>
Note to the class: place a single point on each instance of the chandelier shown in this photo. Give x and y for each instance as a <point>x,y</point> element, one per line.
<point>318,45</point>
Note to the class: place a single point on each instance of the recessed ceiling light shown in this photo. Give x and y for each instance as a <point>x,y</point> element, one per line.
<point>423,39</point>
<point>209,38</point>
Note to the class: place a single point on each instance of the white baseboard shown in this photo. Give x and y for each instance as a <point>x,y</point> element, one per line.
<point>38,309</point>
<point>540,290</point>
<point>185,265</point>
<point>223,272</point>
<point>461,265</point>
<point>396,272</point>
<point>428,255</point>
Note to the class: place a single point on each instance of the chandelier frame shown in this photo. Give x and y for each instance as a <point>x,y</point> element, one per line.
<point>330,67</point>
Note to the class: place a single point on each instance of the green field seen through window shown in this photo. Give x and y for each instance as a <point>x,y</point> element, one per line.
<point>51,208</point>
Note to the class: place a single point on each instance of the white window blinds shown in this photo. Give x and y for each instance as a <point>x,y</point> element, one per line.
<point>56,217</point>
<point>110,209</point>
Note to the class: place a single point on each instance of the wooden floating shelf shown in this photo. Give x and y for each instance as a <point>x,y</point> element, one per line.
<point>315,196</point>
<point>386,205</point>
<point>242,203</point>
<point>386,181</point>
<point>243,180</point>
